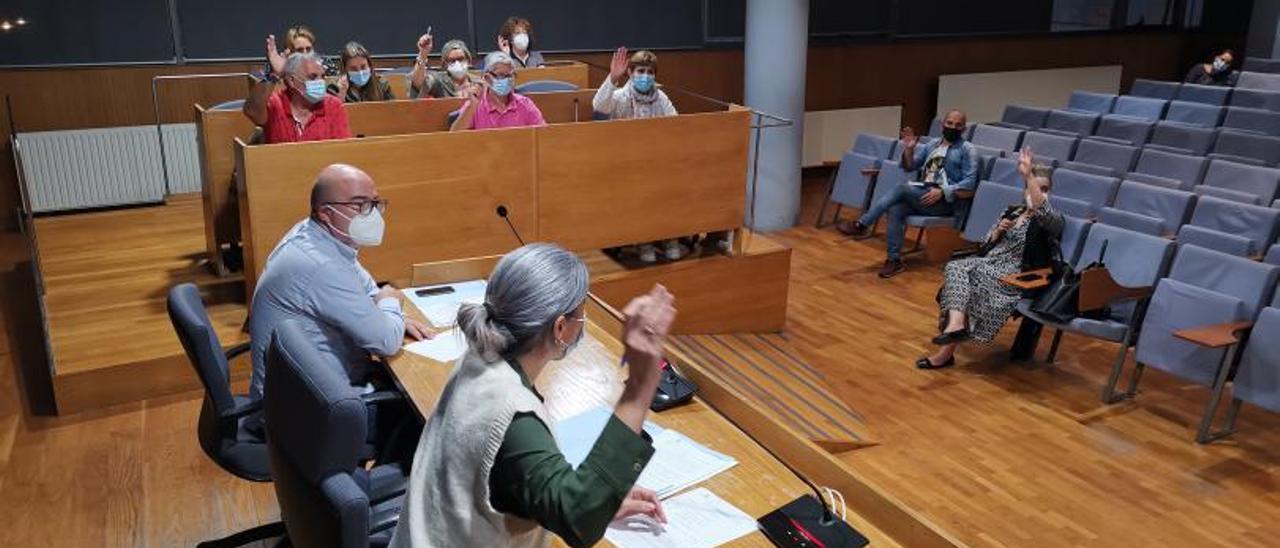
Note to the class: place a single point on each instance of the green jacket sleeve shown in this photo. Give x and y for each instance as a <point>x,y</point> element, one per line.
<point>531,479</point>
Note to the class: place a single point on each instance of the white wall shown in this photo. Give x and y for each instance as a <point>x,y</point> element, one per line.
<point>983,96</point>
<point>828,134</point>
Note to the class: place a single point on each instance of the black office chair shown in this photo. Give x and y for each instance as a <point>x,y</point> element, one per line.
<point>221,428</point>
<point>318,423</point>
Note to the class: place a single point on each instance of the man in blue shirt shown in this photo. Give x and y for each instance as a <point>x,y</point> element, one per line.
<point>948,176</point>
<point>314,277</point>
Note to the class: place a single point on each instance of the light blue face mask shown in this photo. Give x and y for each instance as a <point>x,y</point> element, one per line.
<point>360,77</point>
<point>315,91</point>
<point>642,82</point>
<point>502,86</point>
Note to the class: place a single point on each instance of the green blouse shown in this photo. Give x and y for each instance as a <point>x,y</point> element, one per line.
<point>531,479</point>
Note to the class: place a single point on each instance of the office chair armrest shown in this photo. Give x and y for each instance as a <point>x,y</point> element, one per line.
<point>1035,279</point>
<point>381,397</point>
<point>1216,335</point>
<point>237,350</point>
<point>243,411</point>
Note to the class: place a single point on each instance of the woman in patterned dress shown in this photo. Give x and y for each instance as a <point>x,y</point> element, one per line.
<point>973,300</point>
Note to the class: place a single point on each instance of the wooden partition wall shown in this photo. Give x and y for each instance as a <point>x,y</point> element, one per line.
<point>585,186</point>
<point>216,131</point>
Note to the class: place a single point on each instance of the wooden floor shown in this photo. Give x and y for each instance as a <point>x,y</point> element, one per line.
<point>994,453</point>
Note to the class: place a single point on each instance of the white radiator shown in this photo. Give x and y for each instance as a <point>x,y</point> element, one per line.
<point>89,168</point>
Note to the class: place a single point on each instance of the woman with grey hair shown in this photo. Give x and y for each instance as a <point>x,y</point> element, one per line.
<point>452,79</point>
<point>487,471</point>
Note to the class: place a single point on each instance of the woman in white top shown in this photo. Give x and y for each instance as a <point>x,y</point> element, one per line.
<point>630,92</point>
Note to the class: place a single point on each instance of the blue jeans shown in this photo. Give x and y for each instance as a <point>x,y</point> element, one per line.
<point>899,204</point>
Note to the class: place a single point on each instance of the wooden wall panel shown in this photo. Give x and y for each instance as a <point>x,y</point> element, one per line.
<point>440,208</point>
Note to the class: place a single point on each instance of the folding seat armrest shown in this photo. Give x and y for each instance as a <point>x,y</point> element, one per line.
<point>1216,335</point>
<point>831,163</point>
<point>1099,289</point>
<point>964,194</point>
<point>870,171</point>
<point>1031,279</point>
<point>238,350</point>
<point>381,520</point>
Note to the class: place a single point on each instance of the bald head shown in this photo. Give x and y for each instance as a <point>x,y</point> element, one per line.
<point>341,183</point>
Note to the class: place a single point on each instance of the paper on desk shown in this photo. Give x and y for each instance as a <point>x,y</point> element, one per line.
<point>696,518</point>
<point>446,347</point>
<point>577,434</point>
<point>679,462</point>
<point>442,310</point>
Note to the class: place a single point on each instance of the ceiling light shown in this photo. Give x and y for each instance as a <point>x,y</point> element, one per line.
<point>6,26</point>
<point>21,21</point>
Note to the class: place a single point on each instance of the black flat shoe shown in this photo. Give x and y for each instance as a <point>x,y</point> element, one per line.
<point>952,337</point>
<point>924,363</point>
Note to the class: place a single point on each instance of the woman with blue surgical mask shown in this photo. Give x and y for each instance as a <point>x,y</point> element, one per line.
<point>1217,72</point>
<point>515,38</point>
<point>359,82</point>
<point>631,91</point>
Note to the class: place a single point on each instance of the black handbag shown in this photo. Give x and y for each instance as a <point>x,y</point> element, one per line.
<point>1059,302</point>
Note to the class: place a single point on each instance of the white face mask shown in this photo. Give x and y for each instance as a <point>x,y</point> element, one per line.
<point>457,69</point>
<point>520,41</point>
<point>364,230</point>
<point>1027,197</point>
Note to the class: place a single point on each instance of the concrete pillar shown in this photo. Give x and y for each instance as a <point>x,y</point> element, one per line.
<point>777,45</point>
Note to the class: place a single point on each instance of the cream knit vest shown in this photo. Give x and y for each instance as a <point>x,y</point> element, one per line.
<point>447,503</point>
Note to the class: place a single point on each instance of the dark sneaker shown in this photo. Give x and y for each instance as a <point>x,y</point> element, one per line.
<point>892,268</point>
<point>852,228</point>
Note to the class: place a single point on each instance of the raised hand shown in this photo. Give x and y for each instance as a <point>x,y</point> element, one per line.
<point>425,43</point>
<point>909,138</point>
<point>648,319</point>
<point>1025,158</point>
<point>504,45</point>
<point>618,66</point>
<point>274,57</point>
<point>343,85</point>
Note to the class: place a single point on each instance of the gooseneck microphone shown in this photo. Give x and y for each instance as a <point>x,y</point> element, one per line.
<point>502,212</point>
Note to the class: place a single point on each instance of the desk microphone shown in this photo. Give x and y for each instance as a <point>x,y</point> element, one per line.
<point>502,212</point>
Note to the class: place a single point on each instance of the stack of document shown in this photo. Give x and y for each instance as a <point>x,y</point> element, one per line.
<point>442,309</point>
<point>677,463</point>
<point>696,518</point>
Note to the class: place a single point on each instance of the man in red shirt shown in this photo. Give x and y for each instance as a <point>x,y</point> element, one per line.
<point>300,110</point>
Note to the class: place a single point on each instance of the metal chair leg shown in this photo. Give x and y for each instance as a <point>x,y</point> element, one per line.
<point>261,532</point>
<point>1205,433</point>
<point>1053,347</point>
<point>831,187</point>
<point>1109,392</point>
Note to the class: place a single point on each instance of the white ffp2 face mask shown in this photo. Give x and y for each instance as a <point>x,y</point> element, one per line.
<point>364,230</point>
<point>457,69</point>
<point>520,41</point>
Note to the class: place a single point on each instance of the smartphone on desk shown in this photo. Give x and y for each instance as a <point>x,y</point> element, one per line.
<point>434,291</point>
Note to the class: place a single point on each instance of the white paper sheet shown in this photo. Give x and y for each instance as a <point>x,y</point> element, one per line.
<point>577,434</point>
<point>679,463</point>
<point>442,310</point>
<point>697,518</point>
<point>446,347</point>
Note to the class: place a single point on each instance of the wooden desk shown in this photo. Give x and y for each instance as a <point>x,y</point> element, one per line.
<point>590,377</point>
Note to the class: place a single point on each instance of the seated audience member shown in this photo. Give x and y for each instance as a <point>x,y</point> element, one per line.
<point>948,176</point>
<point>639,98</point>
<point>496,104</point>
<point>454,77</point>
<point>1216,72</point>
<point>492,475</point>
<point>515,38</point>
<point>974,303</point>
<point>298,39</point>
<point>360,82</point>
<point>314,276</point>
<point>302,109</point>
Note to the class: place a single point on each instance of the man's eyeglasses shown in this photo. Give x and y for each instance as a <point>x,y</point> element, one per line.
<point>364,207</point>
